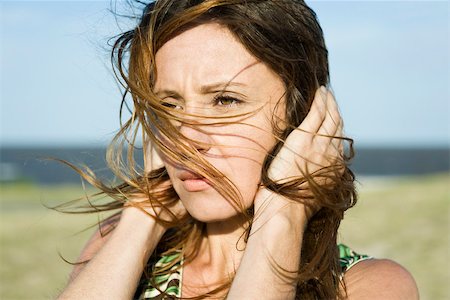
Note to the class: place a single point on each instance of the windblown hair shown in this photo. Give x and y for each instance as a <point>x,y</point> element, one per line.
<point>284,35</point>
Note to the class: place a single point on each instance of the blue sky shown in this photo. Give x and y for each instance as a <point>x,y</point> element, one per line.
<point>389,66</point>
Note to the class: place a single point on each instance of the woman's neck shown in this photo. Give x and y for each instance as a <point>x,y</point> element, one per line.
<point>221,250</point>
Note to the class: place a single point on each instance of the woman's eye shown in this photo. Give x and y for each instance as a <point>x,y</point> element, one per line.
<point>226,101</point>
<point>172,105</point>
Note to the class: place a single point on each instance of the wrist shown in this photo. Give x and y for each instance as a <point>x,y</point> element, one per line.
<point>137,222</point>
<point>278,233</point>
<point>273,212</point>
<point>273,251</point>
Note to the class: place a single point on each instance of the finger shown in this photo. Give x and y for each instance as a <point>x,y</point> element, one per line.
<point>337,142</point>
<point>333,108</point>
<point>329,138</point>
<point>312,122</point>
<point>329,133</point>
<point>332,118</point>
<point>316,114</point>
<point>338,145</point>
<point>336,132</point>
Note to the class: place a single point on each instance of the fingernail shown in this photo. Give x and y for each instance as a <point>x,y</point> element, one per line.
<point>323,89</point>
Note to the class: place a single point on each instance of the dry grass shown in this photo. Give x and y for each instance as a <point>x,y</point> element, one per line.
<point>404,219</point>
<point>31,237</point>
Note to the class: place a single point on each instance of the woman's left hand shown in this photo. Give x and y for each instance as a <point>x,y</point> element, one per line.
<point>277,230</point>
<point>315,144</point>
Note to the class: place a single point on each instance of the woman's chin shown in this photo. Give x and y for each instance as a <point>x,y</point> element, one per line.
<point>209,206</point>
<point>213,216</point>
<point>213,213</point>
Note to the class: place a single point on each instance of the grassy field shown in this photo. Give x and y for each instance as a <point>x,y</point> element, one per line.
<point>407,220</point>
<point>404,218</point>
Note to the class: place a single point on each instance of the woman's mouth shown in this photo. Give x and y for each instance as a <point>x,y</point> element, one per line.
<point>193,182</point>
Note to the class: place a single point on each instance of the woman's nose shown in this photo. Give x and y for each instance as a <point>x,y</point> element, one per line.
<point>196,137</point>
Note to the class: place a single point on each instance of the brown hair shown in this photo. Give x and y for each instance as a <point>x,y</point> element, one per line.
<point>286,36</point>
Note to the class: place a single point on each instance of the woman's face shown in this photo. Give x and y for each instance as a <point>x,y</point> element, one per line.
<point>206,71</point>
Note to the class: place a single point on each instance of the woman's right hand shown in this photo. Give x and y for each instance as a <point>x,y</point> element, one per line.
<point>166,211</point>
<point>114,262</point>
<point>167,214</point>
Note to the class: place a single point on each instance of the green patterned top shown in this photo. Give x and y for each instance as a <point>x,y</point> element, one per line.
<point>171,283</point>
<point>348,258</point>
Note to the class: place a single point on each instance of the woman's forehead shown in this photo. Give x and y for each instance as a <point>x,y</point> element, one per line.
<point>206,54</point>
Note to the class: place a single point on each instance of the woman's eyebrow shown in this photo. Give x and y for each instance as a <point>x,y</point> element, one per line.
<point>219,86</point>
<point>205,89</point>
<point>167,93</point>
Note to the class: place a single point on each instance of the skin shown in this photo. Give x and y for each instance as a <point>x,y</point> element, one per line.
<point>201,55</point>
<point>210,60</point>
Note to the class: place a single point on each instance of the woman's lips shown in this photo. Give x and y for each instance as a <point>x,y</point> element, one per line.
<point>195,185</point>
<point>193,182</point>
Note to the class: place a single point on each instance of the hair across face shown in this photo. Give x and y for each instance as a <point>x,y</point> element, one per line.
<point>217,86</point>
<point>205,71</point>
<point>282,35</point>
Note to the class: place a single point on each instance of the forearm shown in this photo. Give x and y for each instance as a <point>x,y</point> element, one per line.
<point>114,272</point>
<point>274,244</point>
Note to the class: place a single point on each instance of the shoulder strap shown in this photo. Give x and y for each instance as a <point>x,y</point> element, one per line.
<point>348,258</point>
<point>168,283</point>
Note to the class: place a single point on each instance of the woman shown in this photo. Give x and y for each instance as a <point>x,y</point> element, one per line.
<point>230,96</point>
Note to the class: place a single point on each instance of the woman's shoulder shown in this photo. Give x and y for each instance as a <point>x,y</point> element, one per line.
<point>364,276</point>
<point>379,279</point>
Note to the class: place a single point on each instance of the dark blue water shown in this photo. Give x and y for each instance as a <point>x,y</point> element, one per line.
<point>30,164</point>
